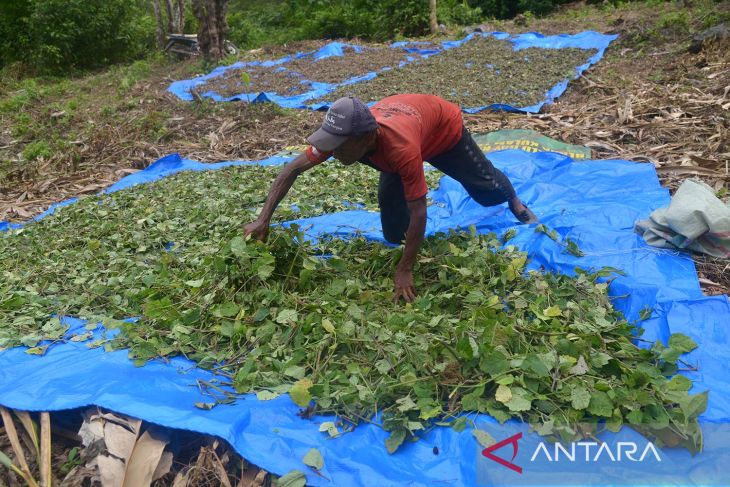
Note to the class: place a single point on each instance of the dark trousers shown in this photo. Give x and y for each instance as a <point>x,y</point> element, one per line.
<point>466,163</point>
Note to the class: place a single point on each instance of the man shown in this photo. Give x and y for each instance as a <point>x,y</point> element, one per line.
<point>395,136</point>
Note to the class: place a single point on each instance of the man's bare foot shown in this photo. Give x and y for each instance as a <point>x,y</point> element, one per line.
<point>522,212</point>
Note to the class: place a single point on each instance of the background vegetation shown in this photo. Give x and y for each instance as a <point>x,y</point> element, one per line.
<point>58,36</point>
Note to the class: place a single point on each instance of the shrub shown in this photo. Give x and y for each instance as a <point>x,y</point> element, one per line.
<point>506,9</point>
<point>458,12</point>
<point>54,35</point>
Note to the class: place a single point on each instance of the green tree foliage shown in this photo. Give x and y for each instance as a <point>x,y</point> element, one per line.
<point>505,9</point>
<point>254,23</point>
<point>54,35</point>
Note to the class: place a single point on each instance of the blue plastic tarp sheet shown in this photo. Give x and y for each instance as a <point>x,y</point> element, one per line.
<point>583,40</point>
<point>594,203</point>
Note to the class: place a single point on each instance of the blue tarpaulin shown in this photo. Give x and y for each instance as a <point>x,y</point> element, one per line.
<point>594,203</point>
<point>583,40</point>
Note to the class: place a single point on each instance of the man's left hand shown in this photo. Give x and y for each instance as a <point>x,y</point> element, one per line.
<point>404,286</point>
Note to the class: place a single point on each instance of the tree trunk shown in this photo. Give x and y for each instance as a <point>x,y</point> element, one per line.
<point>176,16</point>
<point>160,24</point>
<point>180,16</point>
<point>213,26</point>
<point>432,17</point>
<point>170,18</point>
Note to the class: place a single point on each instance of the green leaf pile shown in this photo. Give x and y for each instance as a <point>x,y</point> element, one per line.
<point>318,321</point>
<point>483,335</point>
<point>90,259</point>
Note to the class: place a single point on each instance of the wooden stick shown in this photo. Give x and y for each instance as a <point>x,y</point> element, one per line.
<point>30,428</point>
<point>45,459</point>
<point>14,440</point>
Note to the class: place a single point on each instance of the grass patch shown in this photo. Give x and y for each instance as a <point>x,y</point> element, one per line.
<point>673,20</point>
<point>36,150</point>
<point>134,73</point>
<point>45,113</point>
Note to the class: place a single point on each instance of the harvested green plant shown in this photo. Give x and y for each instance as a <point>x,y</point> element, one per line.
<point>89,258</point>
<point>317,321</point>
<point>481,72</point>
<point>484,335</point>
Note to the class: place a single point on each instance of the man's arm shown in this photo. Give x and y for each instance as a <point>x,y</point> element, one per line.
<point>403,278</point>
<point>283,182</point>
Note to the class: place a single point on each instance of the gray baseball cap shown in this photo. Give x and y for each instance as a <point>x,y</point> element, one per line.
<point>345,118</point>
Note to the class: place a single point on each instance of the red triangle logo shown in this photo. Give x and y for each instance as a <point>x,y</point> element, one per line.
<point>512,440</point>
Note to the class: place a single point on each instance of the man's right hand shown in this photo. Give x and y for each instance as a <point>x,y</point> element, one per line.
<point>257,229</point>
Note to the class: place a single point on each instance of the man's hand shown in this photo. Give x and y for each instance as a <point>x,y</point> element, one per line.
<point>404,286</point>
<point>257,229</point>
<point>403,278</point>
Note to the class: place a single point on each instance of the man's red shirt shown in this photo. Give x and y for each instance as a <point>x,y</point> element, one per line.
<point>411,129</point>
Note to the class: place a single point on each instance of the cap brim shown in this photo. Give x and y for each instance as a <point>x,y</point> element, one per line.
<point>325,141</point>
